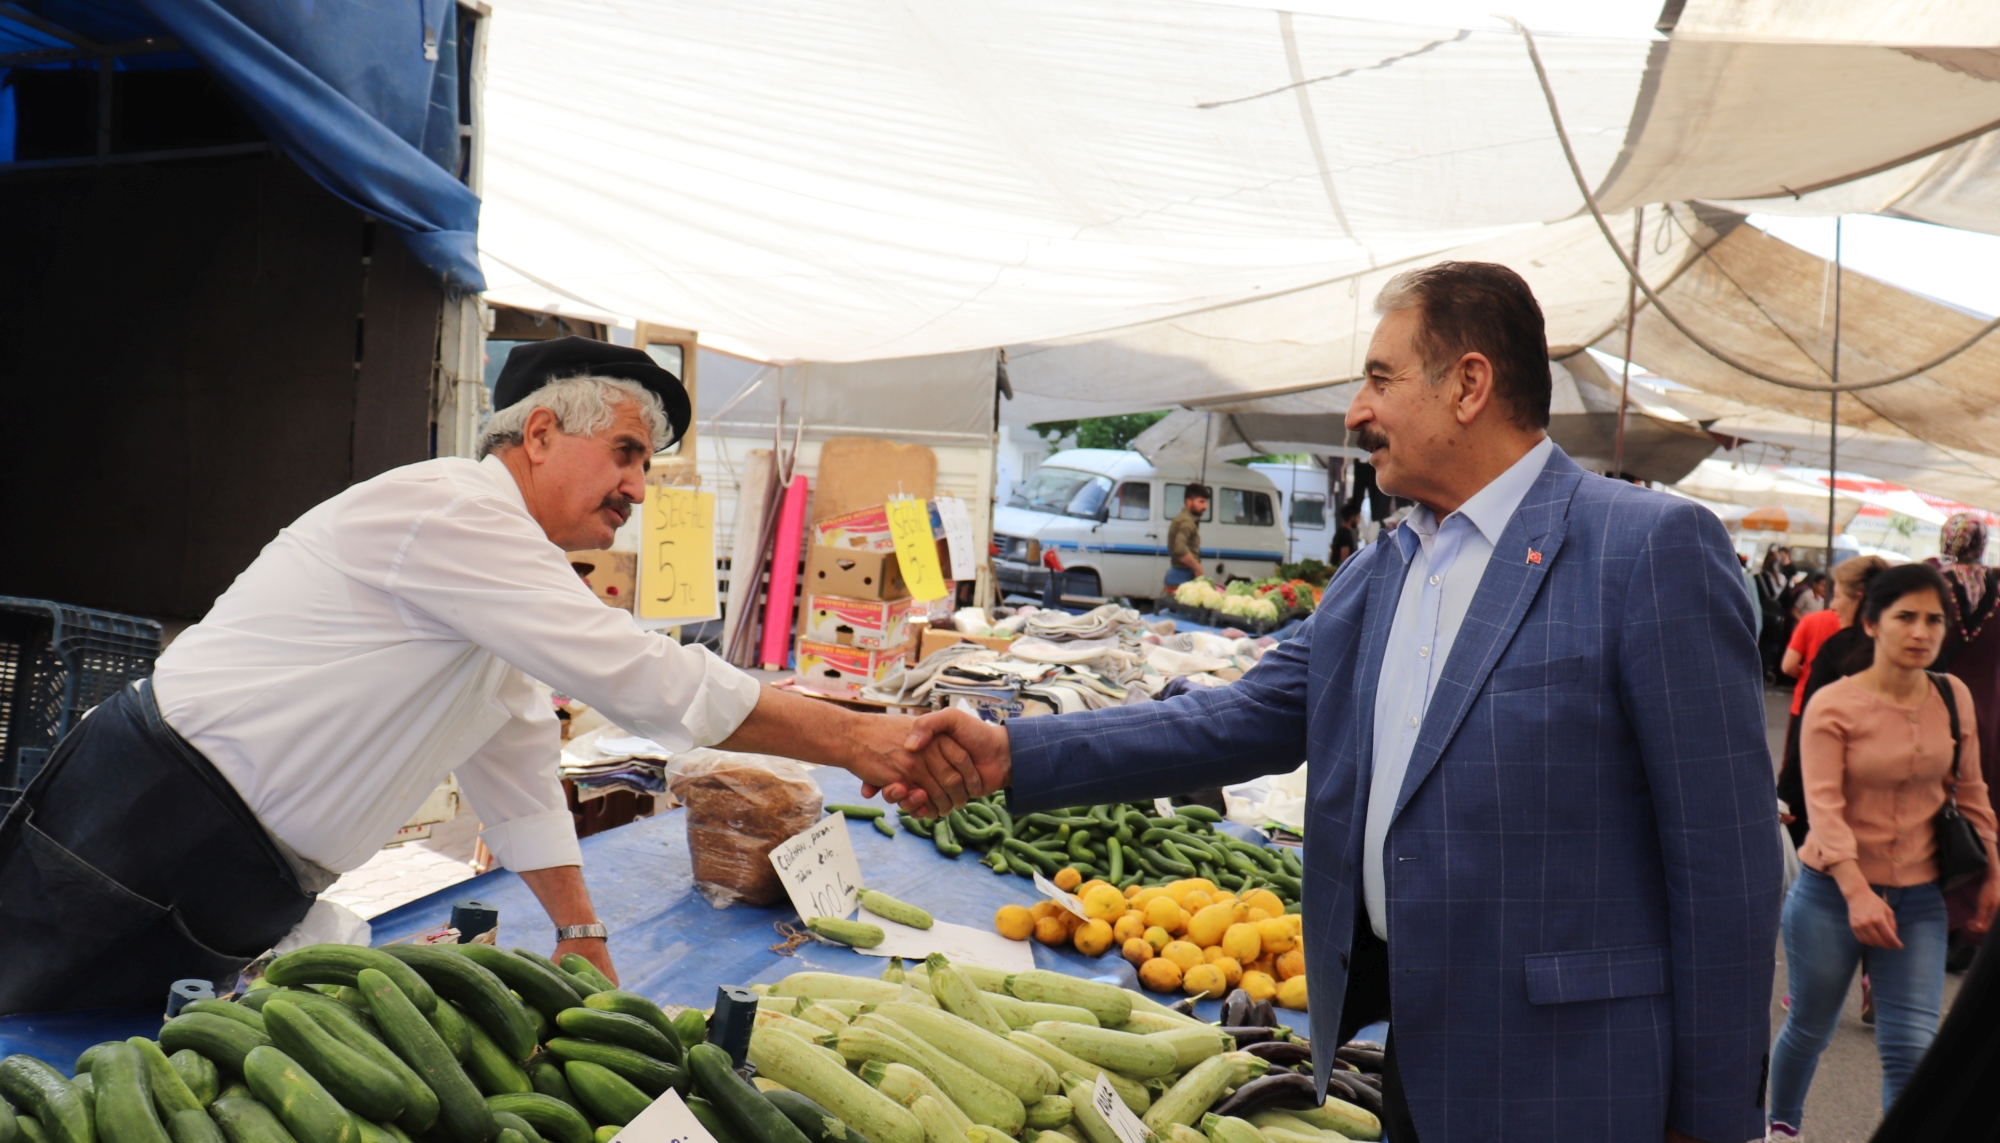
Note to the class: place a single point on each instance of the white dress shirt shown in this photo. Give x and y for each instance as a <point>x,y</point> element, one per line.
<point>1447,559</point>
<point>390,636</point>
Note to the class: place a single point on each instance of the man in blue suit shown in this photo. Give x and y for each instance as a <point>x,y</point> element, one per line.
<point>1538,770</point>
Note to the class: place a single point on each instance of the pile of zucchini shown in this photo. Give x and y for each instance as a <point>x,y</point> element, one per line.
<point>437,1044</point>
<point>1125,844</point>
<point>958,1054</point>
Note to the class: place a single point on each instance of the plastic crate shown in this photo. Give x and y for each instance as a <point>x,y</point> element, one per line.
<point>57,661</point>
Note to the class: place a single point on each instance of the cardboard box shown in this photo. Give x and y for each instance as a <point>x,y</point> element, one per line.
<point>937,638</point>
<point>841,672</point>
<point>854,574</point>
<point>866,530</point>
<point>613,576</point>
<point>867,623</point>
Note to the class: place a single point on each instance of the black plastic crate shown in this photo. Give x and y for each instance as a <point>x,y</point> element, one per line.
<point>57,661</point>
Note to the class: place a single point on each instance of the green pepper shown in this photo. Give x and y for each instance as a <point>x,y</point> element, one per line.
<point>946,843</point>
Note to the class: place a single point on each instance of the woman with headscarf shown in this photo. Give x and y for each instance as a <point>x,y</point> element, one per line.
<point>1972,652</point>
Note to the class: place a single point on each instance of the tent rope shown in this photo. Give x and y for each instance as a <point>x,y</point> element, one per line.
<point>1632,271</point>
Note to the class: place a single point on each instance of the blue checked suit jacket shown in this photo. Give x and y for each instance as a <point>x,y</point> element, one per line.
<point>1583,872</point>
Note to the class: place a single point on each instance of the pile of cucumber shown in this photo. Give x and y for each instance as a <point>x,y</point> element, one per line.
<point>957,1054</point>
<point>404,1044</point>
<point>1125,844</point>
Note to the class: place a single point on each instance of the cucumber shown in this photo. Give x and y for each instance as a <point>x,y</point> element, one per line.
<point>31,1130</point>
<point>558,1122</point>
<point>548,1080</point>
<point>303,1105</point>
<point>548,966</point>
<point>461,1110</point>
<point>901,912</point>
<point>420,1103</point>
<point>624,1031</point>
<point>170,1092</point>
<point>690,1027</point>
<point>705,1113</point>
<point>508,1121</point>
<point>474,988</point>
<point>244,1120</point>
<point>368,1131</point>
<point>235,1089</point>
<point>333,1015</point>
<point>124,1104</point>
<point>341,964</point>
<point>747,1112</point>
<point>10,1127</point>
<point>607,1133</point>
<point>579,966</point>
<point>198,1073</point>
<point>227,1009</point>
<point>509,1135</point>
<point>454,1029</point>
<point>360,1084</point>
<point>540,985</point>
<point>83,1062</point>
<point>817,1123</point>
<point>632,1004</point>
<point>193,1127</point>
<point>86,1087</point>
<point>221,1039</point>
<point>641,1071</point>
<point>605,1093</point>
<point>488,1065</point>
<point>58,1108</point>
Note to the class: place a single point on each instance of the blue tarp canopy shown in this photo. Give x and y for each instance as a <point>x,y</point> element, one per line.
<point>367,96</point>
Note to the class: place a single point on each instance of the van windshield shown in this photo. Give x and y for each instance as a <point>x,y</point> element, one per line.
<point>1063,490</point>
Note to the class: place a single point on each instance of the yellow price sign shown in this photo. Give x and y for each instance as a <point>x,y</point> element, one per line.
<point>677,555</point>
<point>916,550</point>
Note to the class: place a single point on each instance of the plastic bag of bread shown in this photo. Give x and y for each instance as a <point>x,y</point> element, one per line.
<point>739,807</point>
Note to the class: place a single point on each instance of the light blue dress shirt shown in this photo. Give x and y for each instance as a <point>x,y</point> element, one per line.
<point>1446,558</point>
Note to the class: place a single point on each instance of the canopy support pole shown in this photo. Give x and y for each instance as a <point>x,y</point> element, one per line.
<point>1625,370</point>
<point>1833,418</point>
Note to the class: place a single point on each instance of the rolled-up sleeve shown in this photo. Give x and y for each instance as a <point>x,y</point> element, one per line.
<point>512,783</point>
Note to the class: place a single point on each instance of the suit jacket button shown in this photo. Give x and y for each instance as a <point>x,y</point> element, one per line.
<point>1343,961</point>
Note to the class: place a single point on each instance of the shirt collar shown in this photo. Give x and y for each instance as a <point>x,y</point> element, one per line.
<point>1488,509</point>
<point>496,470</point>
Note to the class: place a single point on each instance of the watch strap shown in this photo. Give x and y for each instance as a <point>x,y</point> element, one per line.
<point>582,932</point>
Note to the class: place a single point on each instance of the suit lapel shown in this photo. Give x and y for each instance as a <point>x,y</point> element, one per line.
<point>1514,575</point>
<point>1385,587</point>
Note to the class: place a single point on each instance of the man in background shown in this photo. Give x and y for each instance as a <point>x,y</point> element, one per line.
<point>1184,538</point>
<point>1344,542</point>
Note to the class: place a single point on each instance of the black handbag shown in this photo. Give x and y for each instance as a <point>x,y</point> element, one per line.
<point>1961,855</point>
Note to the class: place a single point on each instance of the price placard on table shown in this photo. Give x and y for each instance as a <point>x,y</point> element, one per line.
<point>667,1120</point>
<point>819,869</point>
<point>1061,897</point>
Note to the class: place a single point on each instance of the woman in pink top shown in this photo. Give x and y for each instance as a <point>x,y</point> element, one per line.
<point>1876,751</point>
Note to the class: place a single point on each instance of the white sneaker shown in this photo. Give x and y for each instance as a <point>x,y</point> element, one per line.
<point>1782,1133</point>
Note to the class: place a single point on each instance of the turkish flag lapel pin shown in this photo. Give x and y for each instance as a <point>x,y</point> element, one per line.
<point>1534,557</point>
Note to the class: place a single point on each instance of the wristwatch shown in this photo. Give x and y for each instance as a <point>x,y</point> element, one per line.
<point>582,932</point>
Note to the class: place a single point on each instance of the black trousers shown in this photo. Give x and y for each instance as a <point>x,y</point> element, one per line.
<point>130,863</point>
<point>1368,1001</point>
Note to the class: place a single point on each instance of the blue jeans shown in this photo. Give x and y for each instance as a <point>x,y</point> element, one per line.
<point>1178,576</point>
<point>1820,956</point>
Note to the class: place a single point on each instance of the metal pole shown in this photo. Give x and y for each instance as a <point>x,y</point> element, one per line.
<point>1625,370</point>
<point>1833,419</point>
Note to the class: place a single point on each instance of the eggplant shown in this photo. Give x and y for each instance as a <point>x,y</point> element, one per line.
<point>1365,1078</point>
<point>1272,1092</point>
<point>1250,1034</point>
<point>1184,1006</point>
<point>1279,1053</point>
<point>1262,1013</point>
<point>1236,1009</point>
<point>1368,1059</point>
<point>1341,1086</point>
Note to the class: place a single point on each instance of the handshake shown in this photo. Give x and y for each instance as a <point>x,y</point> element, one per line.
<point>932,765</point>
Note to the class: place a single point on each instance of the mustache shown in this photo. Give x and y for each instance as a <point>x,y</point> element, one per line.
<point>1371,439</point>
<point>619,504</point>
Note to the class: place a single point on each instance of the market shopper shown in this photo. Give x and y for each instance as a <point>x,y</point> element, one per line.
<point>1541,840</point>
<point>1972,652</point>
<point>1184,538</point>
<point>1847,649</point>
<point>1878,755</point>
<point>1774,582</point>
<point>385,639</point>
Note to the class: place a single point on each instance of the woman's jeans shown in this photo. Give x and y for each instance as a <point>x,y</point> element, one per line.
<point>1821,953</point>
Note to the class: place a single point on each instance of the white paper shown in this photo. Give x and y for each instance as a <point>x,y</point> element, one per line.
<point>962,943</point>
<point>631,747</point>
<point>667,1120</point>
<point>819,869</point>
<point>1066,900</point>
<point>1164,808</point>
<point>957,536</point>
<point>1124,1124</point>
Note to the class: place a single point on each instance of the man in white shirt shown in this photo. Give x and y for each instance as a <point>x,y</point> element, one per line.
<point>387,638</point>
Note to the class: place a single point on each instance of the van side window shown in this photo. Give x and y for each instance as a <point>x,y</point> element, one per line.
<point>1176,499</point>
<point>1239,506</point>
<point>1308,510</point>
<point>1135,501</point>
<point>1089,498</point>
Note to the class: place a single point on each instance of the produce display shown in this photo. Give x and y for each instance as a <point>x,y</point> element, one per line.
<point>1264,600</point>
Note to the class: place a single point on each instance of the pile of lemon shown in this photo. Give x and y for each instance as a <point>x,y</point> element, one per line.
<point>1188,936</point>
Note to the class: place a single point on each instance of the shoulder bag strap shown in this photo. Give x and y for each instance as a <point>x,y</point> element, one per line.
<point>1951,709</point>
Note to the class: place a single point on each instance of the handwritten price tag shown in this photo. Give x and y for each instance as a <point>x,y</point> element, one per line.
<point>957,536</point>
<point>916,551</point>
<point>819,870</point>
<point>1124,1124</point>
<point>1066,900</point>
<point>668,1120</point>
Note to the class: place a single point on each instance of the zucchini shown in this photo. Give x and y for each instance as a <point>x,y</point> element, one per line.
<point>540,985</point>
<point>957,995</point>
<point>228,1009</point>
<point>559,1122</point>
<point>605,1094</point>
<point>805,1030</point>
<point>614,1028</point>
<point>577,966</point>
<point>124,1105</point>
<point>476,989</point>
<point>1131,1091</point>
<point>341,964</point>
<point>901,912</point>
<point>706,1114</point>
<point>748,1113</point>
<point>198,1073</point>
<point>453,1028</point>
<point>1141,1057</point>
<point>822,1016</point>
<point>832,985</point>
<point>982,1100</point>
<point>1085,1114</point>
<point>221,1039</point>
<point>1192,1095</point>
<point>461,1110</point>
<point>1193,1045</point>
<point>1023,1075</point>
<point>548,1080</point>
<point>508,1121</point>
<point>632,1004</point>
<point>359,1083</point>
<point>1050,1112</point>
<point>1109,1003</point>
<point>1337,1115</point>
<point>193,1127</point>
<point>1020,1013</point>
<point>809,1072</point>
<point>420,1103</point>
<point>904,1084</point>
<point>170,1092</point>
<point>58,1108</point>
<point>817,1123</point>
<point>303,1105</point>
<point>489,1065</point>
<point>937,1124</point>
<point>244,1120</point>
<point>855,934</point>
<point>640,1070</point>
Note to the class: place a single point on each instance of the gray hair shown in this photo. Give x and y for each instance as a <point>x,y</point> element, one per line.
<point>583,405</point>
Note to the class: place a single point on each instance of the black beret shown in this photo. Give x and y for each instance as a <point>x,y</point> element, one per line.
<point>534,364</point>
